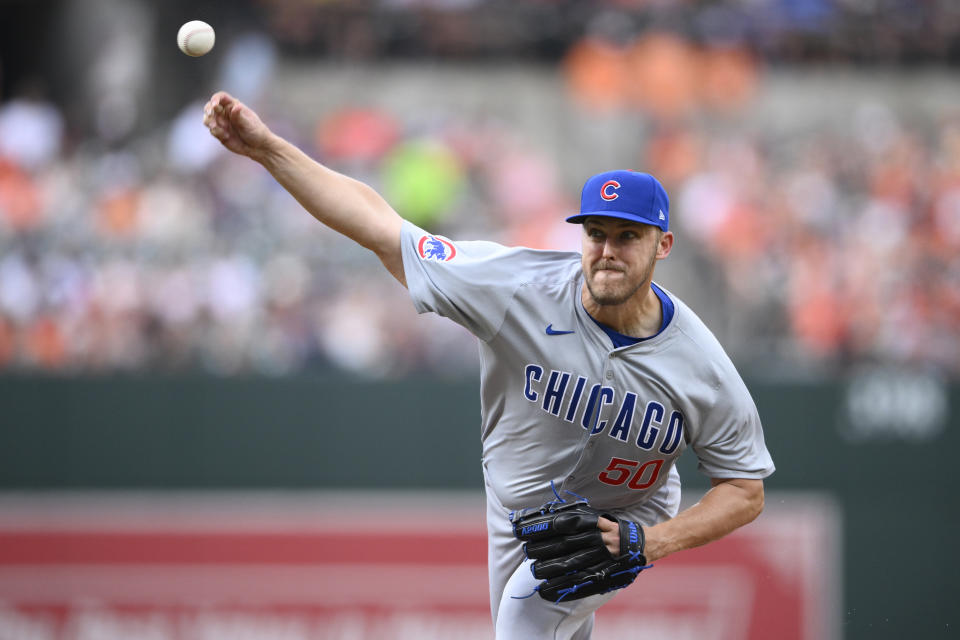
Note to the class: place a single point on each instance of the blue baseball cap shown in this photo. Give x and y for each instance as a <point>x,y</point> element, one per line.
<point>629,195</point>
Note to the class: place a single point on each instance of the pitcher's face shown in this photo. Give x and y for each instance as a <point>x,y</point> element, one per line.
<point>619,257</point>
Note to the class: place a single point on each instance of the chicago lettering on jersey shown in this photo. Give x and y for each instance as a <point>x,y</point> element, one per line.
<point>580,402</point>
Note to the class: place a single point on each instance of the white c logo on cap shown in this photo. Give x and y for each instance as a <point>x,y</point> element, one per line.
<point>606,187</point>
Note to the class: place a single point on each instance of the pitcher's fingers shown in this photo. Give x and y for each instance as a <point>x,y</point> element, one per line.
<point>234,113</point>
<point>221,120</point>
<point>222,101</point>
<point>208,112</point>
<point>211,120</point>
<point>219,133</point>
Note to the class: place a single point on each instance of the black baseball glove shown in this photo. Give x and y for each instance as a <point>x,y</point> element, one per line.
<point>569,555</point>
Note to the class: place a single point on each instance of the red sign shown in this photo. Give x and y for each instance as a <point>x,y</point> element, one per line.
<point>271,566</point>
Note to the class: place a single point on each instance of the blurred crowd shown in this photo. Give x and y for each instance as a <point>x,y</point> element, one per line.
<point>824,246</point>
<point>841,247</point>
<point>864,32</point>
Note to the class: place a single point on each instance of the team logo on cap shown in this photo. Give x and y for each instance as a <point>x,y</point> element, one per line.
<point>436,248</point>
<point>605,190</point>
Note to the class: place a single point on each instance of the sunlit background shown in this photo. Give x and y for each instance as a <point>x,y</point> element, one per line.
<point>170,319</point>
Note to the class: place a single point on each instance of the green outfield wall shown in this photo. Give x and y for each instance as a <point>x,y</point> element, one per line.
<point>882,443</point>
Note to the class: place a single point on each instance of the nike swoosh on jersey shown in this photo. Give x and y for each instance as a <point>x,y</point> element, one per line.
<point>555,332</point>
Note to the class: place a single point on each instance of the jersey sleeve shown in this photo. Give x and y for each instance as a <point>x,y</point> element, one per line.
<point>733,445</point>
<point>470,282</point>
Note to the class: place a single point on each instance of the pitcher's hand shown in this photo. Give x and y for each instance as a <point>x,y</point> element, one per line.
<point>610,533</point>
<point>236,125</point>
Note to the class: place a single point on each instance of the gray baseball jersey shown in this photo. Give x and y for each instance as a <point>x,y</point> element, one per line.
<point>561,405</point>
<point>559,402</point>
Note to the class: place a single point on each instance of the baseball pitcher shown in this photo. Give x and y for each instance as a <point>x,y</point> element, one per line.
<point>594,381</point>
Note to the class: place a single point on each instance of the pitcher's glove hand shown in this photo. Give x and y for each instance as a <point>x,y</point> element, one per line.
<point>569,554</point>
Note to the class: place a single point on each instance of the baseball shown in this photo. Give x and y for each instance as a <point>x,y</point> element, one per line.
<point>195,38</point>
